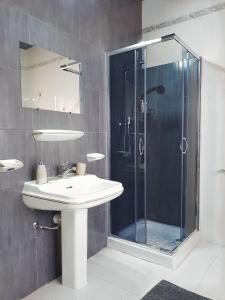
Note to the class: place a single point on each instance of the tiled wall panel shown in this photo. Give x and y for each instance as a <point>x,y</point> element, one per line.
<point>83,30</point>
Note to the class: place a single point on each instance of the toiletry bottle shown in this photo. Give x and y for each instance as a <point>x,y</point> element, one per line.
<point>41,174</point>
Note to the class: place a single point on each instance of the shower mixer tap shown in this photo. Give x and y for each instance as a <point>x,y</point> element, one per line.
<point>126,123</point>
<point>126,137</point>
<point>142,105</point>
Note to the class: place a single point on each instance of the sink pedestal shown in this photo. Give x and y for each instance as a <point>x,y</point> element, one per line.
<point>74,248</point>
<point>73,196</point>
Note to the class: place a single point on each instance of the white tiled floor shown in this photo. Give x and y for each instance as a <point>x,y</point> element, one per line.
<point>113,275</point>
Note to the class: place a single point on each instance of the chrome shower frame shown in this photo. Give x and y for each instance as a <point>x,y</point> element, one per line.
<point>164,38</point>
<point>140,45</point>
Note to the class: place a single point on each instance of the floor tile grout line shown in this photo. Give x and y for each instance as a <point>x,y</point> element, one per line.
<point>126,289</point>
<point>112,283</point>
<point>207,270</point>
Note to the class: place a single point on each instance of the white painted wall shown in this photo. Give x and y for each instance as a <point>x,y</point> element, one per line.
<point>157,11</point>
<point>212,183</point>
<point>164,53</point>
<point>204,35</point>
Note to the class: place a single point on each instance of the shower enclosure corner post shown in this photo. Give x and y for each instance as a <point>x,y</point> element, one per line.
<point>108,136</point>
<point>135,142</point>
<point>145,142</point>
<point>199,143</point>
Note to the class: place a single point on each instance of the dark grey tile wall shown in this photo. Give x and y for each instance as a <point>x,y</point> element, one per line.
<point>84,30</point>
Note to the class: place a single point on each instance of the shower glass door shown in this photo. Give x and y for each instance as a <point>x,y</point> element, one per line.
<point>191,102</point>
<point>166,145</point>
<point>127,112</point>
<point>127,209</point>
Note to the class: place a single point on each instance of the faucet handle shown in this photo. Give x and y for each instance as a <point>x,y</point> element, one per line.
<point>65,165</point>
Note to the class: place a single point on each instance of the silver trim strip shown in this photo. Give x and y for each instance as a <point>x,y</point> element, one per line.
<point>185,18</point>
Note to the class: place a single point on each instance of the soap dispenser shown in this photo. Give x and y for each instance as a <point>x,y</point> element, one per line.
<point>41,173</point>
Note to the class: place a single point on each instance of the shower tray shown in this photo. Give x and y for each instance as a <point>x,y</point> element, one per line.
<point>171,259</point>
<point>160,236</point>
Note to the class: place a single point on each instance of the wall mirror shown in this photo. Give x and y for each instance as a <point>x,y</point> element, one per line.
<point>49,81</point>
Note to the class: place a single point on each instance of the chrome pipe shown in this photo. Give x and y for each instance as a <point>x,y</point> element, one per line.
<point>36,226</point>
<point>56,220</point>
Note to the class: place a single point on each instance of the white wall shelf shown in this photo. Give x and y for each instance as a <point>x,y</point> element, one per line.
<point>8,165</point>
<point>95,156</point>
<point>53,135</point>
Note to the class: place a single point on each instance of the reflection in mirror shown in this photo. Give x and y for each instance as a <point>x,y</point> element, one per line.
<point>49,81</point>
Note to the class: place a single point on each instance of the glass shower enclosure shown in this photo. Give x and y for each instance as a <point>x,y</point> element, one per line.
<point>154,90</point>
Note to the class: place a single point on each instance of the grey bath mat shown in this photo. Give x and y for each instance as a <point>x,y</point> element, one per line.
<point>165,290</point>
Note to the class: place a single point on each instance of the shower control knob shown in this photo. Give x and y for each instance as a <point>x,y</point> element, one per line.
<point>184,145</point>
<point>57,219</point>
<point>141,146</point>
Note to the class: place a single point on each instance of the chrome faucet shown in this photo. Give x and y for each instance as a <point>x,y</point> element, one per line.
<point>65,170</point>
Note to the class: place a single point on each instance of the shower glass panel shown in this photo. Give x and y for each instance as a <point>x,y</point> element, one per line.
<point>123,139</point>
<point>191,118</point>
<point>166,145</point>
<point>154,105</point>
<point>127,144</point>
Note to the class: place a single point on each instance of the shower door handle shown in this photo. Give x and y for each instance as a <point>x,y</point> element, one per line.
<point>141,147</point>
<point>184,145</point>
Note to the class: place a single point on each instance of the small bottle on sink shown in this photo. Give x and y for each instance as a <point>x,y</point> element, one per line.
<point>41,174</point>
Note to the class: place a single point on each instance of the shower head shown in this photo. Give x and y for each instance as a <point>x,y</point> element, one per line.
<point>159,89</point>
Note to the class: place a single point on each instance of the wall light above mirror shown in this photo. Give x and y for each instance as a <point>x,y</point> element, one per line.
<point>49,81</point>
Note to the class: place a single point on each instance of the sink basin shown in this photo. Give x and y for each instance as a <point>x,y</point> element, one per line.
<point>74,192</point>
<point>72,196</point>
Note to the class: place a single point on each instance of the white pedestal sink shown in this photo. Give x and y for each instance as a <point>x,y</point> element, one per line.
<point>72,196</point>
